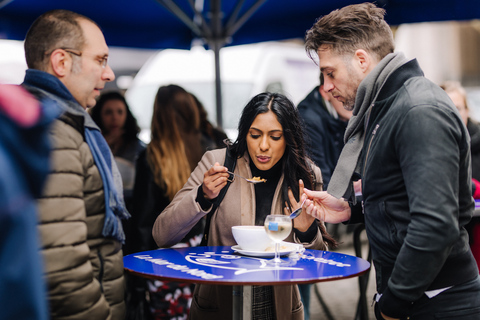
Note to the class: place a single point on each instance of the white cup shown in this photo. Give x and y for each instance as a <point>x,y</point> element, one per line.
<point>252,238</point>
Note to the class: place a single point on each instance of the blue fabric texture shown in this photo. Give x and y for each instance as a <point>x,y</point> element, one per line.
<point>50,88</point>
<point>24,163</point>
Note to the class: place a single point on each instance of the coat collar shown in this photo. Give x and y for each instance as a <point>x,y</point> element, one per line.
<point>397,79</point>
<point>47,86</point>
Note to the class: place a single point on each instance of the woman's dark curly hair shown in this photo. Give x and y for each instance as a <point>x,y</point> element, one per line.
<point>131,128</point>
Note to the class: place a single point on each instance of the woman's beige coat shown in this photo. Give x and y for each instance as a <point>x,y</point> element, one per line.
<point>237,208</point>
<point>83,269</point>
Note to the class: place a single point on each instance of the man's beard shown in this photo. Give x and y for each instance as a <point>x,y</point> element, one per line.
<point>349,103</point>
<point>354,82</point>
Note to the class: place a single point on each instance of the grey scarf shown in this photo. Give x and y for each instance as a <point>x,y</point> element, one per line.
<point>341,182</point>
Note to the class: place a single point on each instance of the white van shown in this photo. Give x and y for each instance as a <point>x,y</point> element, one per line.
<point>245,71</point>
<point>12,62</point>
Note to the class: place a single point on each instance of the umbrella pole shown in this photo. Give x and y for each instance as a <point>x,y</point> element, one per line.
<point>216,43</point>
<point>218,88</point>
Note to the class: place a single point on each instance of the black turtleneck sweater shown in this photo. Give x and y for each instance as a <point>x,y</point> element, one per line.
<point>264,191</point>
<point>264,197</point>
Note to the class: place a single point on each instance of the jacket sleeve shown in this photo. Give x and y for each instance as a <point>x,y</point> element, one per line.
<point>474,131</point>
<point>428,148</point>
<point>183,213</point>
<point>315,135</point>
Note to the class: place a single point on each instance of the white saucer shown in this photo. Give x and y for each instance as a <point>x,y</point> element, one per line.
<point>288,248</point>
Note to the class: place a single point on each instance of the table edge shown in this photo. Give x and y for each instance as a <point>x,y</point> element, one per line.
<point>245,283</point>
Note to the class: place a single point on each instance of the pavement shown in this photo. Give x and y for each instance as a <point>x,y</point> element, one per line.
<point>339,298</point>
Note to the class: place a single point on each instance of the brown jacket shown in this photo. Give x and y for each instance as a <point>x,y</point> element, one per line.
<point>83,269</point>
<point>237,208</point>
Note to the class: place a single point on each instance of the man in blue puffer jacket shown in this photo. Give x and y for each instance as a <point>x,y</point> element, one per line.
<point>408,144</point>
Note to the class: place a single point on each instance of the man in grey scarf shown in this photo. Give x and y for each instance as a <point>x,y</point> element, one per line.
<point>407,143</point>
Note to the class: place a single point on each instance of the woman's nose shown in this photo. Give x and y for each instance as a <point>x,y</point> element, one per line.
<point>264,144</point>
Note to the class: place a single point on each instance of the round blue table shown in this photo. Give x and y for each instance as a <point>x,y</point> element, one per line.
<point>222,266</point>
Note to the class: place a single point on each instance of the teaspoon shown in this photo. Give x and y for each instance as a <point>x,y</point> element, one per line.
<point>297,212</point>
<point>254,181</point>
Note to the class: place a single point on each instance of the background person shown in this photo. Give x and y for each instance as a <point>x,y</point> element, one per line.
<point>24,159</point>
<point>408,143</point>
<point>270,145</point>
<point>120,129</point>
<point>459,98</point>
<point>81,207</point>
<point>162,170</point>
<point>325,121</point>
<point>212,137</point>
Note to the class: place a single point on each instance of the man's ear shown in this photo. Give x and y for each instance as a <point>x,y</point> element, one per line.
<point>363,60</point>
<point>60,63</point>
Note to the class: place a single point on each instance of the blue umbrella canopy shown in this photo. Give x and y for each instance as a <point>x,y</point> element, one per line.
<point>160,24</point>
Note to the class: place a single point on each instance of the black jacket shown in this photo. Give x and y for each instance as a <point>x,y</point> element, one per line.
<point>148,201</point>
<point>324,133</point>
<point>417,190</point>
<point>474,131</point>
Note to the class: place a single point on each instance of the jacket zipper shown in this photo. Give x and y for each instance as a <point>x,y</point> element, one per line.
<point>366,156</point>
<point>369,145</point>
